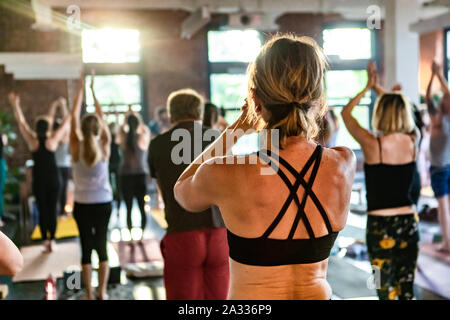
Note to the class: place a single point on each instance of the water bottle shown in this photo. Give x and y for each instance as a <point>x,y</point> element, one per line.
<point>50,287</point>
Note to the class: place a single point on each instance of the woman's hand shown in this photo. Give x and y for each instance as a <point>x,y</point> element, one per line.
<point>245,121</point>
<point>14,99</point>
<point>92,79</point>
<point>372,76</point>
<point>435,68</point>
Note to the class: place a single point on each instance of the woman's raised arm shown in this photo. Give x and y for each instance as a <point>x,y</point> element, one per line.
<point>360,134</point>
<point>75,136</point>
<point>28,134</point>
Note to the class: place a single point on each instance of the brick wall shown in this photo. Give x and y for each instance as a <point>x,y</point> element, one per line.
<point>168,62</point>
<point>36,97</point>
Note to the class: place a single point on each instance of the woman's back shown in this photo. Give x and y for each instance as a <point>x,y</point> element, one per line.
<point>390,170</point>
<point>252,205</point>
<point>62,154</point>
<point>134,159</point>
<point>92,183</point>
<point>44,161</point>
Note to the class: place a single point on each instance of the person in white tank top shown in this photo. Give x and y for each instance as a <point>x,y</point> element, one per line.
<point>90,149</point>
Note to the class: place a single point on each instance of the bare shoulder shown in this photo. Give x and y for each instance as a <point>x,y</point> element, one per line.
<point>342,154</point>
<point>341,159</point>
<point>225,170</point>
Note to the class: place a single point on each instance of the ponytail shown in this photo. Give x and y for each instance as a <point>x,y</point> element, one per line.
<point>133,124</point>
<point>90,151</point>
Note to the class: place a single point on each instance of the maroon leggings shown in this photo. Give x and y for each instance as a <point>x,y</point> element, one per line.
<point>196,265</point>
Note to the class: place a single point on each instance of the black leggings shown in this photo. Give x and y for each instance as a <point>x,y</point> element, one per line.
<point>65,175</point>
<point>46,194</point>
<point>114,179</point>
<point>134,186</point>
<point>92,220</point>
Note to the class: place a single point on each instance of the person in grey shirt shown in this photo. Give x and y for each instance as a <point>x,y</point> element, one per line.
<point>63,157</point>
<point>440,153</point>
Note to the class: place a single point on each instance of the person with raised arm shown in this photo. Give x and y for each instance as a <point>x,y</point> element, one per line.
<point>43,142</point>
<point>283,212</point>
<point>440,153</point>
<point>418,120</point>
<point>90,143</point>
<point>63,157</point>
<point>134,139</point>
<point>390,153</point>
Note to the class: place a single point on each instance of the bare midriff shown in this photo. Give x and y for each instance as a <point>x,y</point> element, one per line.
<point>287,282</point>
<point>393,211</point>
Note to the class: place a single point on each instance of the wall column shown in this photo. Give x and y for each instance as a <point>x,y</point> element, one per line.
<point>402,47</point>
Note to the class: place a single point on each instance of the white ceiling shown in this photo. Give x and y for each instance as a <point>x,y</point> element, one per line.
<point>352,9</point>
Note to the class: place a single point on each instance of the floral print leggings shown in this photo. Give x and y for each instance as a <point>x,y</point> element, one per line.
<point>392,244</point>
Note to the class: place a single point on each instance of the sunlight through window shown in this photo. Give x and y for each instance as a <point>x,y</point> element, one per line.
<point>347,43</point>
<point>110,46</point>
<point>233,45</point>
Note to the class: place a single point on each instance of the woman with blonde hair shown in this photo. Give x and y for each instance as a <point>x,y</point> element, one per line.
<point>46,181</point>
<point>283,212</point>
<point>389,164</point>
<point>90,150</point>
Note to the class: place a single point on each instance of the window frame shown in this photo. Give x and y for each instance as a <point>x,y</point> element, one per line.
<point>355,64</point>
<point>231,68</point>
<point>446,62</point>
<point>123,68</point>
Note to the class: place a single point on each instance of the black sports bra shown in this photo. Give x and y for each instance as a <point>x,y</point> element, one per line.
<point>264,251</point>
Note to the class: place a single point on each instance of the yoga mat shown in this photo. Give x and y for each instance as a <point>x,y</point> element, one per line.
<point>66,228</point>
<point>160,217</point>
<point>348,281</point>
<point>38,265</point>
<point>430,249</point>
<point>433,275</point>
<point>131,253</point>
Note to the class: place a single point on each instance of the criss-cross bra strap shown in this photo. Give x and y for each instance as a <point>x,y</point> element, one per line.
<point>301,209</point>
<point>293,188</point>
<point>292,195</point>
<point>309,191</point>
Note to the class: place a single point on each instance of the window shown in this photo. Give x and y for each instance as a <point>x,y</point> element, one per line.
<point>115,93</point>
<point>110,46</point>
<point>228,91</point>
<point>349,49</point>
<point>347,43</point>
<point>233,45</point>
<point>229,53</point>
<point>111,52</point>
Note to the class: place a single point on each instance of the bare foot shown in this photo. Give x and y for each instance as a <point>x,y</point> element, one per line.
<point>90,296</point>
<point>103,296</point>
<point>443,248</point>
<point>52,246</point>
<point>47,248</point>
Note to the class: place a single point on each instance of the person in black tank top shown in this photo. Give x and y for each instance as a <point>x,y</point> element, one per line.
<point>43,143</point>
<point>46,186</point>
<point>391,189</point>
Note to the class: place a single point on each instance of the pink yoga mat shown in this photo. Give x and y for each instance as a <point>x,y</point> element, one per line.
<point>134,252</point>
